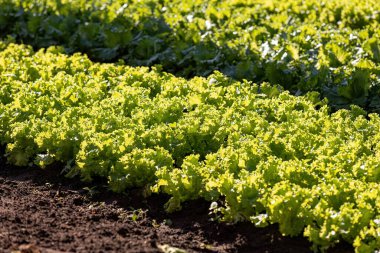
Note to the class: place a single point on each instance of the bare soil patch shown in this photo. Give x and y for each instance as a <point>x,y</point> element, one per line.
<point>41,211</point>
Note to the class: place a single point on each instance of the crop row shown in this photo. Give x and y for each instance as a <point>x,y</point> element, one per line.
<point>256,152</point>
<point>332,47</point>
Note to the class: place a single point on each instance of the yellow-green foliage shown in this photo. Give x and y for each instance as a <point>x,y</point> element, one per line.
<point>256,152</point>
<point>332,47</point>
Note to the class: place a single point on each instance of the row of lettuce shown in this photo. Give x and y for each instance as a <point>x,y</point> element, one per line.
<point>255,152</point>
<point>332,47</point>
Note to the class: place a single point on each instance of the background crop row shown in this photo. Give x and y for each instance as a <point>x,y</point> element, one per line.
<point>327,46</point>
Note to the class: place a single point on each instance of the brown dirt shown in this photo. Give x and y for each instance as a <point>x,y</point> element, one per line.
<point>41,211</point>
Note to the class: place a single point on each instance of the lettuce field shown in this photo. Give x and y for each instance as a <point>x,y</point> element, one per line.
<point>268,110</point>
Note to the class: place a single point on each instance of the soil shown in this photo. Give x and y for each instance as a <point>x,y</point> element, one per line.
<point>42,211</point>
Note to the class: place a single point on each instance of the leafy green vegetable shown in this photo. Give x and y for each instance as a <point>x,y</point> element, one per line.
<point>256,152</point>
<point>330,47</point>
